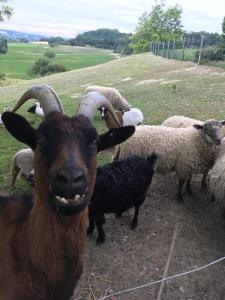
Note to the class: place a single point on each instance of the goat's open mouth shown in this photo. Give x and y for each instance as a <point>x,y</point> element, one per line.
<point>68,206</point>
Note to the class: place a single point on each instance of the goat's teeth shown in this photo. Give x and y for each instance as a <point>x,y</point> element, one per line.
<point>62,199</point>
<point>77,198</point>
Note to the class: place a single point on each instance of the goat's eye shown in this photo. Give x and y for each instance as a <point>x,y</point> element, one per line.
<point>94,142</point>
<point>41,140</point>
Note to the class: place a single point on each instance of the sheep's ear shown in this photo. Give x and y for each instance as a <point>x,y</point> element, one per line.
<point>114,137</point>
<point>19,128</point>
<point>223,122</point>
<point>197,126</point>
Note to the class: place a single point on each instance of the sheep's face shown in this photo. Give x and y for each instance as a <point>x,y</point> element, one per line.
<point>212,131</point>
<point>65,156</point>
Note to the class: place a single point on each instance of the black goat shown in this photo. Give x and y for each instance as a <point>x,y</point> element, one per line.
<point>119,186</point>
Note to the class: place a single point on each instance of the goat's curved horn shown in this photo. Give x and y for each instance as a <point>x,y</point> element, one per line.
<point>45,95</point>
<point>91,102</point>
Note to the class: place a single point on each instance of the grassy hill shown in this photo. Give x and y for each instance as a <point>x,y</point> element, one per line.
<point>160,87</point>
<point>21,57</point>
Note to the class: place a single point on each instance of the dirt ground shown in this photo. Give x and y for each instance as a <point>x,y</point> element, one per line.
<point>132,258</point>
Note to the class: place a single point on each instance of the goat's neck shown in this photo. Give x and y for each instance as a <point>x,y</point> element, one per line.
<point>53,237</point>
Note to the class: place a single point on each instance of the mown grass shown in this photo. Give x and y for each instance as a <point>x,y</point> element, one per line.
<point>175,88</point>
<point>21,57</point>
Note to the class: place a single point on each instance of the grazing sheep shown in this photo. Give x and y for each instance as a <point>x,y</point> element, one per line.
<point>23,162</point>
<point>42,239</point>
<point>134,116</point>
<point>216,176</point>
<point>36,109</point>
<point>112,94</point>
<point>119,186</point>
<point>184,150</point>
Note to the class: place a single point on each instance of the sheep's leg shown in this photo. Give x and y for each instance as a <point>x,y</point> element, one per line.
<point>23,176</point>
<point>15,172</point>
<point>135,218</point>
<point>179,191</point>
<point>188,187</point>
<point>91,226</point>
<point>204,181</point>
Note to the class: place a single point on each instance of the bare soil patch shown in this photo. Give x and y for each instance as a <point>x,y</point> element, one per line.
<point>132,258</point>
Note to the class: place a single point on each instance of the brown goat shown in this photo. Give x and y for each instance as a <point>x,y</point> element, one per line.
<point>42,239</point>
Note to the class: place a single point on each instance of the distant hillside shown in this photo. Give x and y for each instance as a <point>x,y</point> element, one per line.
<point>12,35</point>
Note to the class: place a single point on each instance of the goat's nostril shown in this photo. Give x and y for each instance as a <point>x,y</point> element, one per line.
<point>61,178</point>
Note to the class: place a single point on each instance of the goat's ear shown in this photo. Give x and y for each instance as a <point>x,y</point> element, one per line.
<point>114,137</point>
<point>197,126</point>
<point>19,128</point>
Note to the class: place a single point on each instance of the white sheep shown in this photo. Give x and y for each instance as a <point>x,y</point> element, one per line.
<point>184,150</point>
<point>183,122</point>
<point>1,123</point>
<point>6,108</point>
<point>216,176</point>
<point>180,122</point>
<point>112,94</point>
<point>134,116</point>
<point>23,162</point>
<point>36,109</point>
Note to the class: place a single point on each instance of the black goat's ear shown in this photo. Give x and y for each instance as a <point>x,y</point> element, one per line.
<point>114,137</point>
<point>19,128</point>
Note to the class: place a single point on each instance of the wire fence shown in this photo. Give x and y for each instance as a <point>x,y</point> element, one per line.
<point>201,49</point>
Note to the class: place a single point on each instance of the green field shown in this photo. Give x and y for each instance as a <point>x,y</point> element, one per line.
<point>159,87</point>
<point>21,57</point>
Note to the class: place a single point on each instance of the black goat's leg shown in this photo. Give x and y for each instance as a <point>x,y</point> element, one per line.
<point>99,222</point>
<point>188,187</point>
<point>118,215</point>
<point>91,226</point>
<point>204,181</point>
<point>135,218</point>
<point>101,234</point>
<point>179,191</point>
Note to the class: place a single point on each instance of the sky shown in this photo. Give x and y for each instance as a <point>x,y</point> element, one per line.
<point>67,18</point>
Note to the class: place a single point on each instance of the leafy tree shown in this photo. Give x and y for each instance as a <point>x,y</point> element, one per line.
<point>159,25</point>
<point>5,10</point>
<point>223,35</point>
<point>102,38</point>
<point>43,67</point>
<point>49,54</point>
<point>56,41</point>
<point>3,46</point>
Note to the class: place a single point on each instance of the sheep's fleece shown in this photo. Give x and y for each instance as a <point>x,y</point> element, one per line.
<point>181,149</point>
<point>24,159</point>
<point>216,176</point>
<point>112,94</point>
<point>182,122</point>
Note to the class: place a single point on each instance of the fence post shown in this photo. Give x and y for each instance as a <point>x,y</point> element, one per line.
<point>150,47</point>
<point>200,50</point>
<point>183,47</point>
<point>163,49</point>
<point>174,49</point>
<point>168,48</point>
<point>153,47</point>
<point>158,48</point>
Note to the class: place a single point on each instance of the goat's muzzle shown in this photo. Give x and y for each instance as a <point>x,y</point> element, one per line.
<point>68,189</point>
